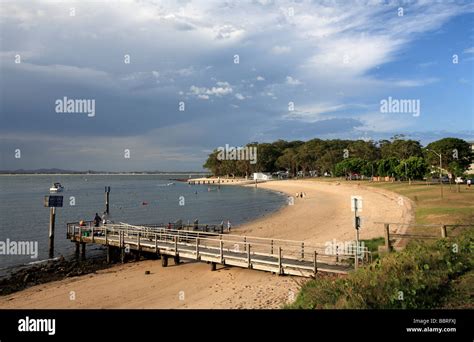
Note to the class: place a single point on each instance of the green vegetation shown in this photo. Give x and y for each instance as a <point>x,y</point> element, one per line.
<point>429,274</point>
<point>424,275</point>
<point>400,158</point>
<point>454,208</point>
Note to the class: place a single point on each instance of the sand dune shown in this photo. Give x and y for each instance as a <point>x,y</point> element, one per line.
<point>322,216</point>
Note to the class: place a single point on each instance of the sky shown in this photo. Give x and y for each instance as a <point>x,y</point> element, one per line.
<point>173,80</point>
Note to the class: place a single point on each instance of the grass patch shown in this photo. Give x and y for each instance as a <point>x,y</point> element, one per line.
<point>423,275</point>
<point>373,244</point>
<point>428,274</point>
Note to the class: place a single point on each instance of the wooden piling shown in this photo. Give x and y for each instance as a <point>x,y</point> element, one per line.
<point>280,268</point>
<point>213,266</point>
<point>107,197</point>
<point>249,263</point>
<point>77,251</point>
<point>388,246</point>
<point>83,251</point>
<point>164,260</point>
<point>197,249</point>
<point>444,232</point>
<point>52,222</point>
<point>221,247</point>
<point>138,246</point>
<point>315,262</point>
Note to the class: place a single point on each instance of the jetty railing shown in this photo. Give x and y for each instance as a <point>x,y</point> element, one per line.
<point>273,255</point>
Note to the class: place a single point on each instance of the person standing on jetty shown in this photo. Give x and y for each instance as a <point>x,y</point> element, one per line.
<point>229,226</point>
<point>97,220</point>
<point>104,217</point>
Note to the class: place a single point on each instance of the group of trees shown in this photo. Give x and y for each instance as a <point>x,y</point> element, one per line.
<point>397,157</point>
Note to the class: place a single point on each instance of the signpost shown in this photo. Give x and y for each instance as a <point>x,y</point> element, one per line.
<point>52,202</point>
<point>356,205</point>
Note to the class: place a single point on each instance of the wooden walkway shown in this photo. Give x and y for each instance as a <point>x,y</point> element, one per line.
<point>271,255</point>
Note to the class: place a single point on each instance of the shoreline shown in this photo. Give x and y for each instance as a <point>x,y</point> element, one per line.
<point>324,215</point>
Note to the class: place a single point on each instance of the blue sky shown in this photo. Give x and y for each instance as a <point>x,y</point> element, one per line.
<point>334,60</point>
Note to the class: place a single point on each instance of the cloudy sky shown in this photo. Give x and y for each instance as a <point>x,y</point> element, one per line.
<point>237,67</point>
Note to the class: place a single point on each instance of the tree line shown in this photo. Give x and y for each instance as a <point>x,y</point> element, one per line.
<point>397,157</point>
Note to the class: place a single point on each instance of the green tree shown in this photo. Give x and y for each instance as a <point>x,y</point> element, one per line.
<point>350,166</point>
<point>400,148</point>
<point>363,149</point>
<point>288,161</point>
<point>387,167</point>
<point>412,168</point>
<point>456,154</point>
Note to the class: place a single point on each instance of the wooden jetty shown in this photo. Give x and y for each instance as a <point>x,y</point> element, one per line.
<point>220,181</point>
<point>271,255</point>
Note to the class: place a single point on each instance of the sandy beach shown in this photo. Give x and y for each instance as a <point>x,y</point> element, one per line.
<point>322,216</point>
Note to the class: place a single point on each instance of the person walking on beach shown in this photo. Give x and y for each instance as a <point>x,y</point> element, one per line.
<point>468,183</point>
<point>97,220</point>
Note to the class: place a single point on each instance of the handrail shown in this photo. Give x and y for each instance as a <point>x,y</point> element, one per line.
<point>298,249</point>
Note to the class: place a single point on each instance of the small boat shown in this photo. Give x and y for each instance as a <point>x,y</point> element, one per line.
<point>167,184</point>
<point>57,187</point>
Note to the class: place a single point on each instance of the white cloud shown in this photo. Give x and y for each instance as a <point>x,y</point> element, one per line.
<point>221,89</point>
<point>186,71</point>
<point>379,122</point>
<point>292,81</point>
<point>239,96</point>
<point>227,32</point>
<point>315,112</point>
<point>280,50</point>
<point>469,50</point>
<point>260,78</point>
<point>413,83</point>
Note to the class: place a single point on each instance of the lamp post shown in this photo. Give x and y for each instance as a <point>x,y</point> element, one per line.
<point>440,172</point>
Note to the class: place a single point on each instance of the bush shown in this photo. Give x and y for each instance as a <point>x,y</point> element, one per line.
<point>418,277</point>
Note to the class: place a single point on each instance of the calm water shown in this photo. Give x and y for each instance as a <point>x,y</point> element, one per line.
<point>24,218</point>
